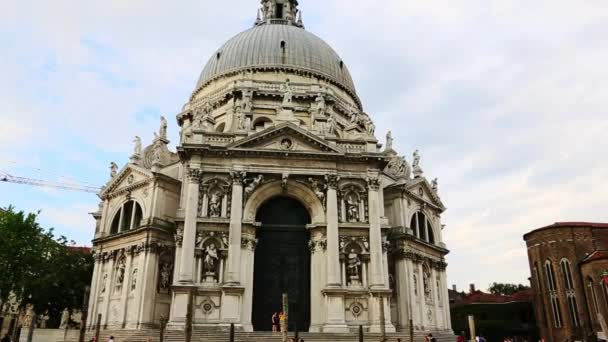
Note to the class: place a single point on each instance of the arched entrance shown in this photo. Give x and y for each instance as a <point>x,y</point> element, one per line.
<point>282,263</point>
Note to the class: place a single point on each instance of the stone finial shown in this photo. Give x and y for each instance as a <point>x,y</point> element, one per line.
<point>162,131</point>
<point>389,141</point>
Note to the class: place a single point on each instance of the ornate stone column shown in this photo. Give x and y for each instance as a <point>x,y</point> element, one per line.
<point>234,238</point>
<point>375,235</point>
<point>93,294</point>
<point>186,267</point>
<point>332,235</point>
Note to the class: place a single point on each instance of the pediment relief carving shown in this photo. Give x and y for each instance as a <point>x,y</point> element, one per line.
<point>421,188</point>
<point>286,137</point>
<point>129,178</point>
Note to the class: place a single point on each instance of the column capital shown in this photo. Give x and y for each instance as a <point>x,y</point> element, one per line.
<point>194,175</point>
<point>238,177</point>
<point>332,181</point>
<point>373,183</point>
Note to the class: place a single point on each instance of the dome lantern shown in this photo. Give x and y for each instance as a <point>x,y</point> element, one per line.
<point>284,12</point>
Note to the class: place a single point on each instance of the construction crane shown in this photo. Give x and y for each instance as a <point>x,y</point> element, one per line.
<point>5,177</point>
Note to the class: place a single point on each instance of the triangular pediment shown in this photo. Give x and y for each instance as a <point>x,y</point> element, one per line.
<point>129,176</point>
<point>423,189</point>
<point>286,137</point>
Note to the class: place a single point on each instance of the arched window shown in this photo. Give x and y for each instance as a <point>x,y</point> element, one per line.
<point>261,123</point>
<point>570,294</point>
<point>422,227</point>
<point>127,217</point>
<point>550,275</point>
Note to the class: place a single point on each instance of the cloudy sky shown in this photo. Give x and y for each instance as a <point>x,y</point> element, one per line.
<point>505,99</point>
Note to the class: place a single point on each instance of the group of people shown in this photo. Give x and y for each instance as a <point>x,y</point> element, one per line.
<point>277,318</point>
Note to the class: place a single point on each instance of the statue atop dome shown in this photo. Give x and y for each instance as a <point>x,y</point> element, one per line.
<point>280,12</point>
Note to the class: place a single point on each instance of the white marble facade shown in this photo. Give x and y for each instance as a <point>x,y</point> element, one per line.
<point>171,224</point>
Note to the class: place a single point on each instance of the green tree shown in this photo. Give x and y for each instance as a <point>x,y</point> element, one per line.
<point>39,268</point>
<point>506,289</point>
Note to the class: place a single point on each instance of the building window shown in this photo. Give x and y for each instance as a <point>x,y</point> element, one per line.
<point>570,293</point>
<point>128,217</point>
<point>422,227</point>
<point>557,314</point>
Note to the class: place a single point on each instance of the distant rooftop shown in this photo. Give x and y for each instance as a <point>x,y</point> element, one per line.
<point>569,225</point>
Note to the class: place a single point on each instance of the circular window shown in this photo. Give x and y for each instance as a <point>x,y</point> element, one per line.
<point>207,307</point>
<point>286,144</point>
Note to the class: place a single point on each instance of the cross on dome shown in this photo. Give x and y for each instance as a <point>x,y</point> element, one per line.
<point>282,12</point>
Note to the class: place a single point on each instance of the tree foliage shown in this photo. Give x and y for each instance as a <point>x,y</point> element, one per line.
<point>39,268</point>
<point>506,289</point>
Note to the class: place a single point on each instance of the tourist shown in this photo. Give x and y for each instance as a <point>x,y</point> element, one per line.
<point>282,322</point>
<point>461,337</point>
<point>275,322</point>
<point>430,338</point>
<point>111,339</point>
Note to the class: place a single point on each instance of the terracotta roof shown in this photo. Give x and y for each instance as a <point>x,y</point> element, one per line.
<point>80,249</point>
<point>479,297</point>
<point>569,225</point>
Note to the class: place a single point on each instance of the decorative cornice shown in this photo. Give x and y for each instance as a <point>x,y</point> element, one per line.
<point>194,175</point>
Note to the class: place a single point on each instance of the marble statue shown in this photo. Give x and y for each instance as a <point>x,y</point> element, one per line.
<point>134,280</point>
<point>354,117</point>
<point>320,100</point>
<point>389,140</point>
<point>29,316</point>
<point>113,169</point>
<point>352,209</point>
<point>435,185</point>
<point>65,318</point>
<point>162,132</point>
<point>103,283</point>
<point>287,94</point>
<point>44,319</point>
<point>426,284</point>
<point>353,265</point>
<point>253,185</point>
<point>240,121</point>
<point>165,275</point>
<point>416,162</point>
<point>137,147</point>
<point>369,126</point>
<point>415,285</point>
<point>331,124</point>
<point>215,205</point>
<point>120,276</point>
<point>317,188</point>
<point>210,258</point>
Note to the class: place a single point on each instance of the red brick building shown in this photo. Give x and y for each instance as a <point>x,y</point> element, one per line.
<point>569,266</point>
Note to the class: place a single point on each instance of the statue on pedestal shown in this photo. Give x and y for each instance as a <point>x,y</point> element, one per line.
<point>352,209</point>
<point>353,267</point>
<point>416,162</point>
<point>215,205</point>
<point>389,140</point>
<point>320,100</point>
<point>162,132</point>
<point>44,319</point>
<point>113,169</point>
<point>209,263</point>
<point>287,94</point>
<point>165,275</point>
<point>331,125</point>
<point>253,185</point>
<point>435,185</point>
<point>137,147</point>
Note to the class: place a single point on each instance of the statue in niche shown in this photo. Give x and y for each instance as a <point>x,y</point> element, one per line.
<point>331,124</point>
<point>120,273</point>
<point>389,140</point>
<point>426,282</point>
<point>210,258</point>
<point>416,162</point>
<point>215,204</point>
<point>354,117</point>
<point>352,208</point>
<point>435,185</point>
<point>240,121</point>
<point>113,169</point>
<point>165,275</point>
<point>44,318</point>
<point>415,285</point>
<point>253,185</point>
<point>354,263</point>
<point>137,147</point>
<point>320,100</point>
<point>287,94</point>
<point>103,283</point>
<point>207,109</point>
<point>162,132</point>
<point>246,103</point>
<point>134,280</point>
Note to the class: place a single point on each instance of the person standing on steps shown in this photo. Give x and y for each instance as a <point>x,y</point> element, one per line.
<point>275,322</point>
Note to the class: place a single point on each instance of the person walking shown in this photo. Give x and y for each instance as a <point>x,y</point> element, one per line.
<point>111,339</point>
<point>275,322</point>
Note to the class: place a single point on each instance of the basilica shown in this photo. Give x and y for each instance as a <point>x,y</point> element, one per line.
<point>278,185</point>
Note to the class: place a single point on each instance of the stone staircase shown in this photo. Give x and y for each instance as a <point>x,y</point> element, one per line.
<point>222,336</point>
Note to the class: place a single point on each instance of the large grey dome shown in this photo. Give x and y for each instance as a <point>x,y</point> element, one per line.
<point>284,46</point>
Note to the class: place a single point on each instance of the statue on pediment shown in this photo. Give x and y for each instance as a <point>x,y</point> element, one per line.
<point>137,147</point>
<point>113,169</point>
<point>162,132</point>
<point>287,94</point>
<point>389,140</point>
<point>330,127</point>
<point>435,185</point>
